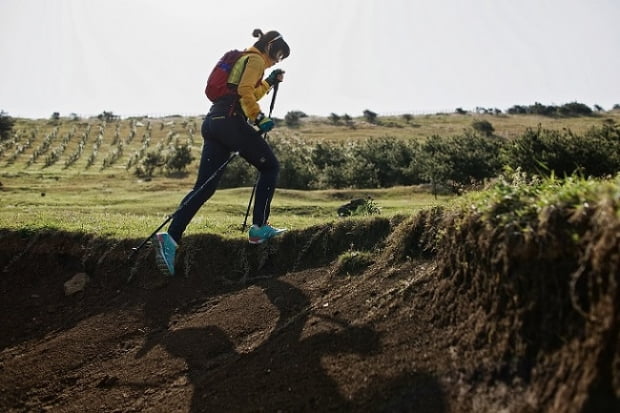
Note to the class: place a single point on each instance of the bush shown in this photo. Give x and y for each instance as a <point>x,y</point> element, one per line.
<point>6,125</point>
<point>293,119</point>
<point>460,160</point>
<point>353,262</point>
<point>107,116</point>
<point>146,167</point>
<point>569,109</point>
<point>574,109</point>
<point>483,126</point>
<point>296,168</point>
<point>334,118</point>
<point>381,162</point>
<point>179,158</point>
<point>370,116</point>
<point>348,120</point>
<point>238,173</point>
<point>545,152</point>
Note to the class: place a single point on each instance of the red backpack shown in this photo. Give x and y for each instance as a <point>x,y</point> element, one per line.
<point>217,84</point>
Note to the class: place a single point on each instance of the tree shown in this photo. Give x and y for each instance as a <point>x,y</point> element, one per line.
<point>147,165</point>
<point>107,116</point>
<point>334,118</point>
<point>348,120</point>
<point>483,126</point>
<point>370,116</point>
<point>6,125</point>
<point>293,118</point>
<point>179,158</point>
<point>575,109</point>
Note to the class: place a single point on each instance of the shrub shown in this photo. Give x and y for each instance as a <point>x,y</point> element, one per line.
<point>334,118</point>
<point>348,120</point>
<point>353,262</point>
<point>569,109</point>
<point>370,116</point>
<point>292,119</point>
<point>238,173</point>
<point>460,160</point>
<point>107,116</point>
<point>6,125</point>
<point>551,152</point>
<point>179,157</point>
<point>574,109</point>
<point>147,165</point>
<point>483,126</point>
<point>296,169</point>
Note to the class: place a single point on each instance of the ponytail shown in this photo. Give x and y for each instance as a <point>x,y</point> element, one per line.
<point>271,42</point>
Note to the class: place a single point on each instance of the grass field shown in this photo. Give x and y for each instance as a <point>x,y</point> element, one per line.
<point>77,174</point>
<point>132,208</point>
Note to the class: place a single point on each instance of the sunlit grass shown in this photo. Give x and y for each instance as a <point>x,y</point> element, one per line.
<point>518,199</point>
<point>128,208</point>
<point>114,202</point>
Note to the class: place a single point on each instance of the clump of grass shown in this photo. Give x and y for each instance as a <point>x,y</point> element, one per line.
<point>353,262</point>
<point>518,199</point>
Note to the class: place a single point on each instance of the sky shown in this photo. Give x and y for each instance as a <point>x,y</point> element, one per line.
<point>152,57</point>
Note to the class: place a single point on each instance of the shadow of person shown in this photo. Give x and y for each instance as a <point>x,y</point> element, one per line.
<point>203,349</point>
<point>294,369</point>
<point>286,372</point>
<point>411,392</point>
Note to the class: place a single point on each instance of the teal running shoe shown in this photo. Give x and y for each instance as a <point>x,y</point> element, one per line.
<point>258,235</point>
<point>166,249</point>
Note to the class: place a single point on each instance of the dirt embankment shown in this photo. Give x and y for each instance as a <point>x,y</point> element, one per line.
<point>451,315</point>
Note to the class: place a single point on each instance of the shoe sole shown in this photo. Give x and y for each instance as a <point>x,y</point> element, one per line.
<point>256,241</point>
<point>160,261</point>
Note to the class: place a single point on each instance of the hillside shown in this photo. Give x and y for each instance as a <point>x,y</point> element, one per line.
<point>118,146</point>
<point>508,301</point>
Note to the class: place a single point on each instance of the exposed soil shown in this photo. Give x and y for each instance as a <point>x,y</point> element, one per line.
<point>279,327</point>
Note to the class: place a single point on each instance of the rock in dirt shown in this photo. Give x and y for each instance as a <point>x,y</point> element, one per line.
<point>76,283</point>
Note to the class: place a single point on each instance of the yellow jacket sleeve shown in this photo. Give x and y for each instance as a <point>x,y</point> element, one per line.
<point>251,86</point>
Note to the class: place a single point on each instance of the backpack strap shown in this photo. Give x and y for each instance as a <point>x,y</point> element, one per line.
<point>238,68</point>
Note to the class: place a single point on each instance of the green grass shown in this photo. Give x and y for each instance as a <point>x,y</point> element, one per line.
<point>518,200</point>
<point>127,208</point>
<point>112,201</point>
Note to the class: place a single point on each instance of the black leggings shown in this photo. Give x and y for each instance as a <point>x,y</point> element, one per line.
<point>224,134</point>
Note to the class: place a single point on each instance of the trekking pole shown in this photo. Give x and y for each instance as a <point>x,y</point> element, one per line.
<point>247,212</point>
<point>187,201</point>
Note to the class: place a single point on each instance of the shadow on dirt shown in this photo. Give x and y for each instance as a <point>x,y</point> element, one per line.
<point>287,369</point>
<point>35,265</point>
<point>501,319</point>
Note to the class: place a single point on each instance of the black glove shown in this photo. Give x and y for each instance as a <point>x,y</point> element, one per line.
<point>275,77</point>
<point>264,123</point>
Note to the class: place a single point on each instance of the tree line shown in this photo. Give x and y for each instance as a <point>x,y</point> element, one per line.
<point>447,163</point>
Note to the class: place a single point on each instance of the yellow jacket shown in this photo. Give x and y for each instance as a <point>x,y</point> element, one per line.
<point>247,74</point>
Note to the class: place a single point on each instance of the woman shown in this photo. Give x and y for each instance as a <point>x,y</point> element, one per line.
<point>227,128</point>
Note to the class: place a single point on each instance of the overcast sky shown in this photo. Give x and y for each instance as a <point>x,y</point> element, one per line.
<point>152,57</point>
